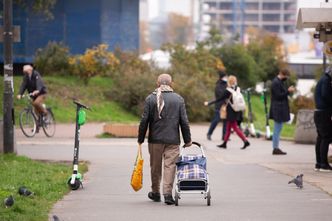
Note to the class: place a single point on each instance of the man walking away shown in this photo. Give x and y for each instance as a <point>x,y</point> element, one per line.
<point>279,108</point>
<point>219,91</point>
<point>323,120</point>
<point>164,113</point>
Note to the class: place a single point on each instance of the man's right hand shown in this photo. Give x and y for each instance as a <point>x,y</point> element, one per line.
<point>206,103</point>
<point>291,89</point>
<point>188,144</point>
<point>19,97</point>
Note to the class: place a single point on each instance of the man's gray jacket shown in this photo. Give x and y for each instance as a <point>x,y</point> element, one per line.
<point>166,129</point>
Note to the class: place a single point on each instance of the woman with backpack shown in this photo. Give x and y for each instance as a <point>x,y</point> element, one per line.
<point>235,104</point>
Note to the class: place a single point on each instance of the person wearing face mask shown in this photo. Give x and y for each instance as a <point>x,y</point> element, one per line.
<point>323,120</point>
<point>33,83</point>
<point>279,108</point>
<point>219,92</point>
<point>232,116</point>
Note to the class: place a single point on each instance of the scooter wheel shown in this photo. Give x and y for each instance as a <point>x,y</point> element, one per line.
<point>246,132</point>
<point>76,185</point>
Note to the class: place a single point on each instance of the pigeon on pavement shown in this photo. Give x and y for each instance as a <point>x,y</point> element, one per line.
<point>24,191</point>
<point>298,181</point>
<point>55,218</point>
<point>9,201</point>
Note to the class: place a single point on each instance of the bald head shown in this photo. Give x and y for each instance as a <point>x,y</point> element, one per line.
<point>164,79</point>
<point>27,69</point>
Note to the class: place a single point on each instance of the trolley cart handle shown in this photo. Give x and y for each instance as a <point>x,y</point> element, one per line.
<point>198,145</point>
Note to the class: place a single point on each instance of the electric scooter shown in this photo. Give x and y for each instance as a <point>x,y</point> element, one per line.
<point>75,181</point>
<point>268,134</point>
<point>250,127</point>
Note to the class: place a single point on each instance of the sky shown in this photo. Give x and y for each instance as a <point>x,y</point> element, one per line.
<point>178,6</point>
<point>183,6</point>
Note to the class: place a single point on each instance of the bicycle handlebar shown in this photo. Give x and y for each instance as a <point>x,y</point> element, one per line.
<point>27,95</point>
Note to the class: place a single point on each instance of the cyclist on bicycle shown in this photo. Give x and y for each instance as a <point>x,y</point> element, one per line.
<point>33,83</point>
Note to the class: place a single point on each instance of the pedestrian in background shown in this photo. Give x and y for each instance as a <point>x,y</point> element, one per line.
<point>164,113</point>
<point>232,116</point>
<point>323,120</point>
<point>219,92</point>
<point>279,108</point>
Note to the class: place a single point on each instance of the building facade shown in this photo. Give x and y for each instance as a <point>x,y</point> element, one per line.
<point>79,24</point>
<point>235,16</point>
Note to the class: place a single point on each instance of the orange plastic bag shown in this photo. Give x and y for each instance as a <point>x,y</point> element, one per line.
<point>137,176</point>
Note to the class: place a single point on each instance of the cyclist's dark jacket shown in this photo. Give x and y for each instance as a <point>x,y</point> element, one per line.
<point>32,83</point>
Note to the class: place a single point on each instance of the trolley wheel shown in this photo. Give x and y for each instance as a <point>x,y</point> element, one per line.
<point>176,198</point>
<point>208,198</point>
<point>76,185</point>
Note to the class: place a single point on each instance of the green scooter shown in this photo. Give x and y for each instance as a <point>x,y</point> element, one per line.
<point>268,134</point>
<point>76,179</point>
<point>250,127</point>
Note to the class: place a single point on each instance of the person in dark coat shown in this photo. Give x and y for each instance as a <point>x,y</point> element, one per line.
<point>164,115</point>
<point>232,116</point>
<point>33,83</point>
<point>279,108</point>
<point>323,120</point>
<point>219,91</point>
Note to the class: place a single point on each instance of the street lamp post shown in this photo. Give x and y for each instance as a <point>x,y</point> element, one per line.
<point>8,127</point>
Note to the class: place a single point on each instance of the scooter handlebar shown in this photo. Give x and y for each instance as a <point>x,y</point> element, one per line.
<point>80,104</point>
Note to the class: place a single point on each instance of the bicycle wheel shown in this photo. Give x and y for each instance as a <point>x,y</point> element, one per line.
<point>28,123</point>
<point>49,123</point>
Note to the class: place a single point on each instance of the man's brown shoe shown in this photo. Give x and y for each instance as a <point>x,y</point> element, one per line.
<point>277,151</point>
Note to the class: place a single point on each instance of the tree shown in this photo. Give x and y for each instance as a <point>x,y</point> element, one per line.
<point>194,73</point>
<point>234,56</point>
<point>239,63</point>
<point>144,44</point>
<point>95,61</point>
<point>43,7</point>
<point>267,51</point>
<point>178,29</point>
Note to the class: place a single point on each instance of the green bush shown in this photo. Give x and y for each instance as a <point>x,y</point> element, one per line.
<point>53,59</point>
<point>96,61</point>
<point>239,63</point>
<point>194,73</point>
<point>133,82</point>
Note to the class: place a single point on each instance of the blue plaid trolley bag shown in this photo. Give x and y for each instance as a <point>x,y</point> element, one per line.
<point>191,175</point>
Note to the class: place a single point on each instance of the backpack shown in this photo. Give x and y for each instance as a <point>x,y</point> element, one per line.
<point>238,103</point>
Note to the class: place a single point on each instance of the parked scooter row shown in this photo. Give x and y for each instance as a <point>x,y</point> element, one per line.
<point>250,127</point>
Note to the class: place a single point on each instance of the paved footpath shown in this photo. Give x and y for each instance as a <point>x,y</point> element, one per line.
<point>245,184</point>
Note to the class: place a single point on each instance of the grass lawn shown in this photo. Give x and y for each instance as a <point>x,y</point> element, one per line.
<point>47,180</point>
<point>61,90</point>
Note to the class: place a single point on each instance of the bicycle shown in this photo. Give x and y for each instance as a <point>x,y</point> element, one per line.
<point>31,122</point>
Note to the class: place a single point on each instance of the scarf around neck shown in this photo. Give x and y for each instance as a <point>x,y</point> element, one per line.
<point>160,99</point>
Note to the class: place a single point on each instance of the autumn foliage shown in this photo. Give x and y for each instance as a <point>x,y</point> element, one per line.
<point>95,61</point>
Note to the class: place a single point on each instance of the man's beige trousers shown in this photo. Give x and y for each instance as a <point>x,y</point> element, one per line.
<point>159,153</point>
